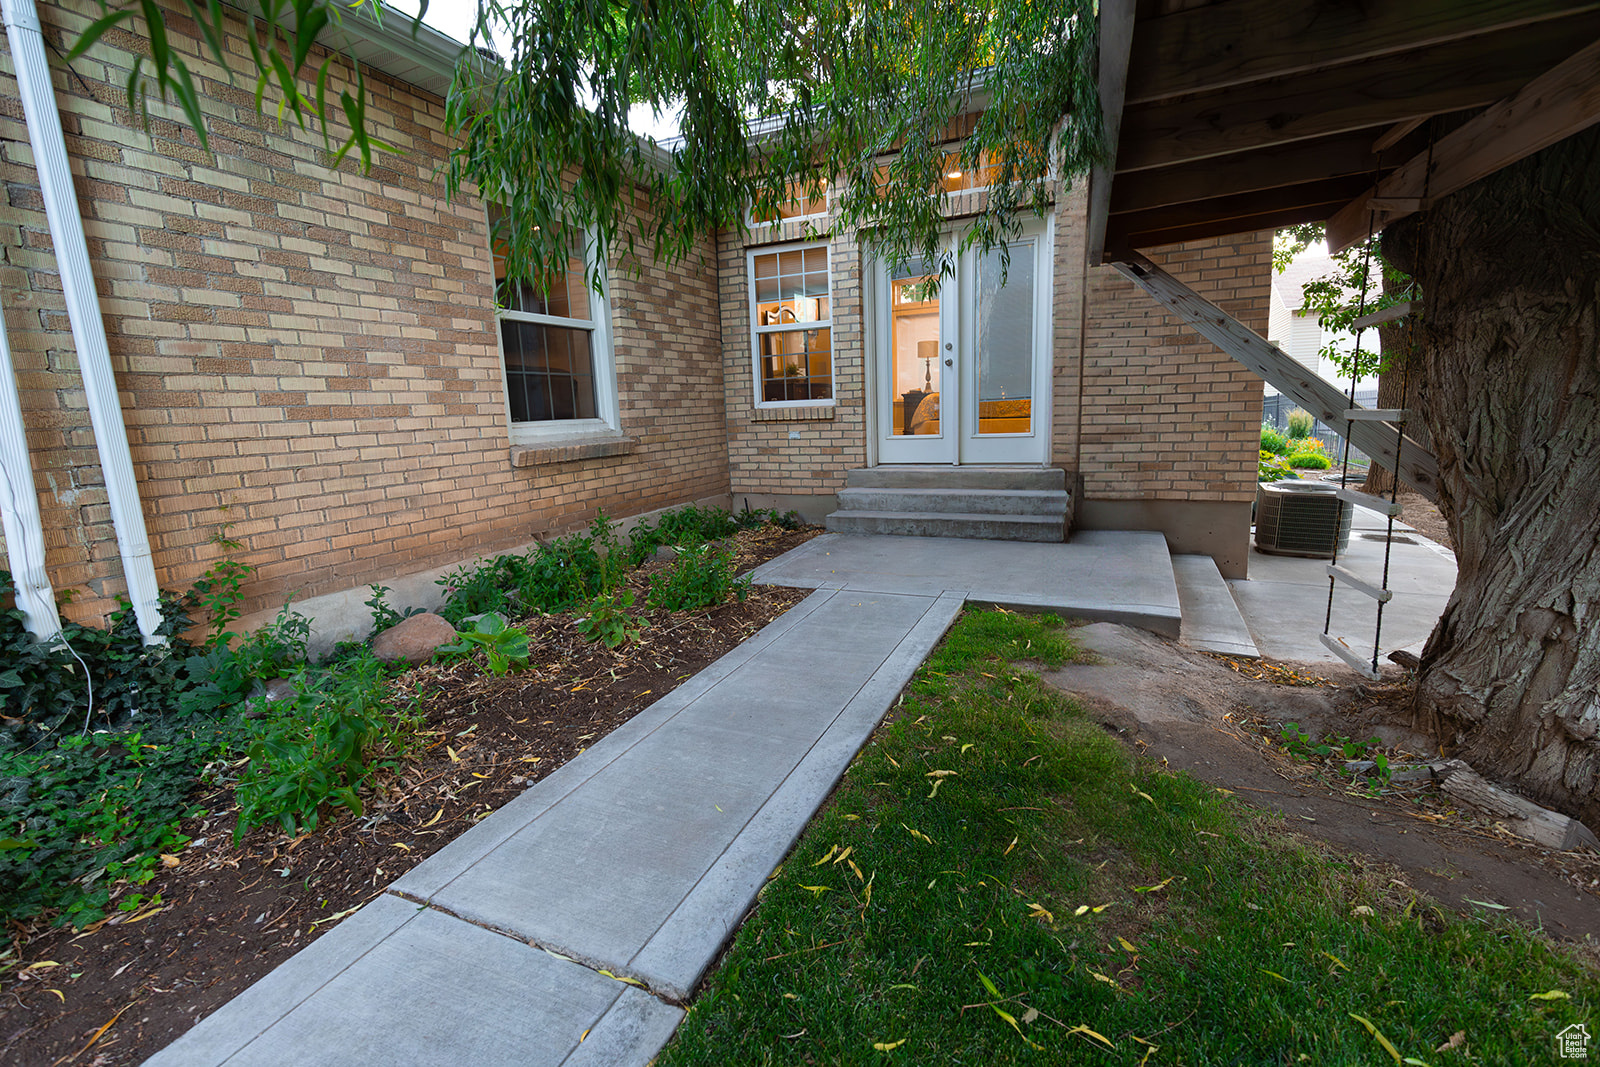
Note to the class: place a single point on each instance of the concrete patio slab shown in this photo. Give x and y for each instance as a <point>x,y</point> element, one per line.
<point>1109,576</point>
<point>1284,601</point>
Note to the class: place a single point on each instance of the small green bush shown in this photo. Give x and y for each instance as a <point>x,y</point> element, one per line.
<point>1301,423</point>
<point>1272,441</point>
<point>317,747</point>
<point>1310,461</point>
<point>701,577</point>
<point>606,619</point>
<point>505,647</point>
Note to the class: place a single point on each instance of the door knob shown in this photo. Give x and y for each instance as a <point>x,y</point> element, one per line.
<point>949,363</point>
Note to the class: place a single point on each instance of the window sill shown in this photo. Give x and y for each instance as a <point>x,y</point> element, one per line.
<point>795,414</point>
<point>570,450</point>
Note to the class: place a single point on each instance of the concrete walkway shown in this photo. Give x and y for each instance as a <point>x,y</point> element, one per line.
<point>569,926</point>
<point>638,858</point>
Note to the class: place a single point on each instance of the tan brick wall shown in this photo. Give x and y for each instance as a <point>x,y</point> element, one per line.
<point>1166,414</point>
<point>315,350</point>
<point>797,451</point>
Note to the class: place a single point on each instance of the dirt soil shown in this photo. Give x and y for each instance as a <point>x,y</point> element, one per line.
<point>1220,720</point>
<point>121,990</point>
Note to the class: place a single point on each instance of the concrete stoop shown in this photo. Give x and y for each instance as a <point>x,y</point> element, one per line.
<point>982,503</point>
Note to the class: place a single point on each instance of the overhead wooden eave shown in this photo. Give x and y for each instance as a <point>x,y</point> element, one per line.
<point>1248,113</point>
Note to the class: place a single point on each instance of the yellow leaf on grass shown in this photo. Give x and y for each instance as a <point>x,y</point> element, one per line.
<point>1139,792</point>
<point>1009,847</point>
<point>845,855</point>
<point>1083,909</point>
<point>1388,1046</point>
<point>852,818</point>
<point>885,1046</point>
<point>859,876</point>
<point>1085,1031</point>
<point>965,747</point>
<point>1337,960</point>
<point>827,857</point>
<point>1274,974</point>
<point>892,762</point>
<point>1040,912</point>
<point>918,834</point>
<point>1124,943</point>
<point>939,774</point>
<point>816,890</point>
<point>937,782</point>
<point>1153,888</point>
<point>1554,994</point>
<point>1112,982</point>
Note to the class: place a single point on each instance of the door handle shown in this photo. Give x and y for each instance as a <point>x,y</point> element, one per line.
<point>949,363</point>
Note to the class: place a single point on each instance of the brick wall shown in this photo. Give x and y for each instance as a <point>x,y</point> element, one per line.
<point>1166,415</point>
<point>311,355</point>
<point>802,451</point>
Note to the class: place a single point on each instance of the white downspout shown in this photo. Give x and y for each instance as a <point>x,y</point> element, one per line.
<point>19,507</point>
<point>83,309</point>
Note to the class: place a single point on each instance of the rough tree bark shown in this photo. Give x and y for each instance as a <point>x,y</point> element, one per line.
<point>1510,269</point>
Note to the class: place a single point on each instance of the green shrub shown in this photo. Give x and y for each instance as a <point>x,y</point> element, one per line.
<point>1272,468</point>
<point>1310,461</point>
<point>606,619</point>
<point>556,576</point>
<point>1301,423</point>
<point>383,616</point>
<point>701,577</point>
<point>318,747</point>
<point>1272,441</point>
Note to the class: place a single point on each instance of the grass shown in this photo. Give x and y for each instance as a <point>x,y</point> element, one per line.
<point>998,881</point>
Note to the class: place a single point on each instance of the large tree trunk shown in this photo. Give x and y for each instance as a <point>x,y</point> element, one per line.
<point>1510,269</point>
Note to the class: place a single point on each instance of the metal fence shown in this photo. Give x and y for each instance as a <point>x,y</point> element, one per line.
<point>1275,413</point>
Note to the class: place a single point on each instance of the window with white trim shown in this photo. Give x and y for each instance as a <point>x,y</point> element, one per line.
<point>791,325</point>
<point>555,344</point>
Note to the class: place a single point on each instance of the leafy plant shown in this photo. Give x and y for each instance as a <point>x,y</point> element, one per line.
<point>1310,461</point>
<point>317,748</point>
<point>276,648</point>
<point>383,616</point>
<point>504,647</point>
<point>606,619</point>
<point>701,576</point>
<point>92,813</point>
<point>1300,423</point>
<point>1272,468</point>
<point>1273,441</point>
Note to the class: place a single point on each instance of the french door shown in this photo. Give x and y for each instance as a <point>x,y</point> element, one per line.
<point>962,358</point>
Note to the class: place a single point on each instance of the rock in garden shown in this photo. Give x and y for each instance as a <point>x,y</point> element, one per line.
<point>413,639</point>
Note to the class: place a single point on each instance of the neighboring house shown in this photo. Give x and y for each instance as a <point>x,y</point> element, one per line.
<point>312,361</point>
<point>1300,335</point>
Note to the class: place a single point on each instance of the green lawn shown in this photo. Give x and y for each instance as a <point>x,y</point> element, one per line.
<point>997,880</point>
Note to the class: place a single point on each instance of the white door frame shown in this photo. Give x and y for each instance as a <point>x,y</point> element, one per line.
<point>958,441</point>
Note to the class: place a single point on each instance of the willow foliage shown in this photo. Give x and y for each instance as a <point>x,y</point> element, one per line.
<point>867,99</point>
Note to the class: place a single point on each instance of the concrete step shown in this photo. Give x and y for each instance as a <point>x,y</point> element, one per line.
<point>1211,618</point>
<point>1041,528</point>
<point>1053,502</point>
<point>944,477</point>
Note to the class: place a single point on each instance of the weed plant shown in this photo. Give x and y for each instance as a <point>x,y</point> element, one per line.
<point>701,577</point>
<point>505,648</point>
<point>999,881</point>
<point>606,619</point>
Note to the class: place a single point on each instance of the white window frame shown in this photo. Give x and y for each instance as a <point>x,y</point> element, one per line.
<point>602,358</point>
<point>757,331</point>
<point>827,209</point>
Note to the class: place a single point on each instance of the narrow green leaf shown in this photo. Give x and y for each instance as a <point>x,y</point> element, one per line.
<point>97,30</point>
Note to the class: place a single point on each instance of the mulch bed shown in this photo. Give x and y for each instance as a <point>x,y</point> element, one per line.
<point>121,990</point>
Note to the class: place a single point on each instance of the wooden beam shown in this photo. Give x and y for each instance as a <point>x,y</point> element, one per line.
<point>1117,238</point>
<point>1397,133</point>
<point>1242,205</point>
<point>1418,468</point>
<point>1237,41</point>
<point>1550,108</point>
<point>1247,172</point>
<point>1461,74</point>
<point>1116,40</point>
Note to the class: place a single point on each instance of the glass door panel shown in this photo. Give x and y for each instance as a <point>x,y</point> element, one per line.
<point>915,374</point>
<point>1005,329</point>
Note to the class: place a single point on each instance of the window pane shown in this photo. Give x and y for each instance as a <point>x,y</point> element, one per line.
<point>564,294</point>
<point>549,372</point>
<point>1005,342</point>
<point>796,365</point>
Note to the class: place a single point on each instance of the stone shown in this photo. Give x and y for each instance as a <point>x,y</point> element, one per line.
<point>413,639</point>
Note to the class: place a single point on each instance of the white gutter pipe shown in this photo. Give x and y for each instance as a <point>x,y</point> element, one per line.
<point>19,508</point>
<point>83,309</point>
